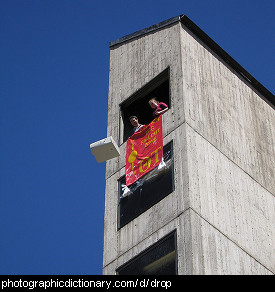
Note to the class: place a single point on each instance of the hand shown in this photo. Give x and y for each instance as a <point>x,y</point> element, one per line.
<point>162,111</point>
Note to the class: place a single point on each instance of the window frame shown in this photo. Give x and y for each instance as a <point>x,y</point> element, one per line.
<point>144,94</point>
<point>172,234</point>
<point>143,209</point>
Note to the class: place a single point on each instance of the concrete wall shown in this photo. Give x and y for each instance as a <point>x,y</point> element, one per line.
<point>231,152</point>
<point>223,203</point>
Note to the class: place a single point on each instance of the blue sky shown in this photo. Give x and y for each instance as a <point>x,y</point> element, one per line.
<point>53,101</point>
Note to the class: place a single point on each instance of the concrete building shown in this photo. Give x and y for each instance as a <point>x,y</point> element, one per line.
<point>215,213</point>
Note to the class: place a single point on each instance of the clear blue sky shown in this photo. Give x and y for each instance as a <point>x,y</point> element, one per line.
<point>53,100</point>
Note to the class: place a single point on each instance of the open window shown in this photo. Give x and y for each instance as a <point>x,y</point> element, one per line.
<point>148,190</point>
<point>159,259</point>
<point>137,104</point>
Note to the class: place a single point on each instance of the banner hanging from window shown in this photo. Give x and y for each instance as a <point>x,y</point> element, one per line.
<point>144,150</point>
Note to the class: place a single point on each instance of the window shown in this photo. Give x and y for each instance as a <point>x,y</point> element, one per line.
<point>159,259</point>
<point>147,191</point>
<point>137,104</point>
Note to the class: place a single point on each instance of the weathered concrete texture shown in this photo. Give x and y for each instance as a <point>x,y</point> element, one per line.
<point>222,108</point>
<point>229,199</point>
<point>223,136</point>
<point>231,136</point>
<point>215,254</point>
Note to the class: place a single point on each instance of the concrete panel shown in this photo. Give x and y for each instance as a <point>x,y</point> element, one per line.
<point>215,254</point>
<point>231,200</point>
<point>226,111</point>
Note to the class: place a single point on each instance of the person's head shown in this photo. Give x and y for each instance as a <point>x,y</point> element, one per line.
<point>153,102</point>
<point>134,121</point>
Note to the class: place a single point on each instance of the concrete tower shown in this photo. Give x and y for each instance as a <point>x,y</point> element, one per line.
<point>212,211</point>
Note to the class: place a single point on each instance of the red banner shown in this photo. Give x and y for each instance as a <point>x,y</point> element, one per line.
<point>144,150</point>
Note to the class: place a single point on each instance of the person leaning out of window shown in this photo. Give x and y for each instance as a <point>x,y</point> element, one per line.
<point>135,123</point>
<point>159,107</point>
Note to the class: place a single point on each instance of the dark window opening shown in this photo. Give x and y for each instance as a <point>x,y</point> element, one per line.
<point>148,190</point>
<point>137,104</point>
<point>159,259</point>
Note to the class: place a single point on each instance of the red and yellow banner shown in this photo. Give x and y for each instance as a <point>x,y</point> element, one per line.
<point>144,150</point>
